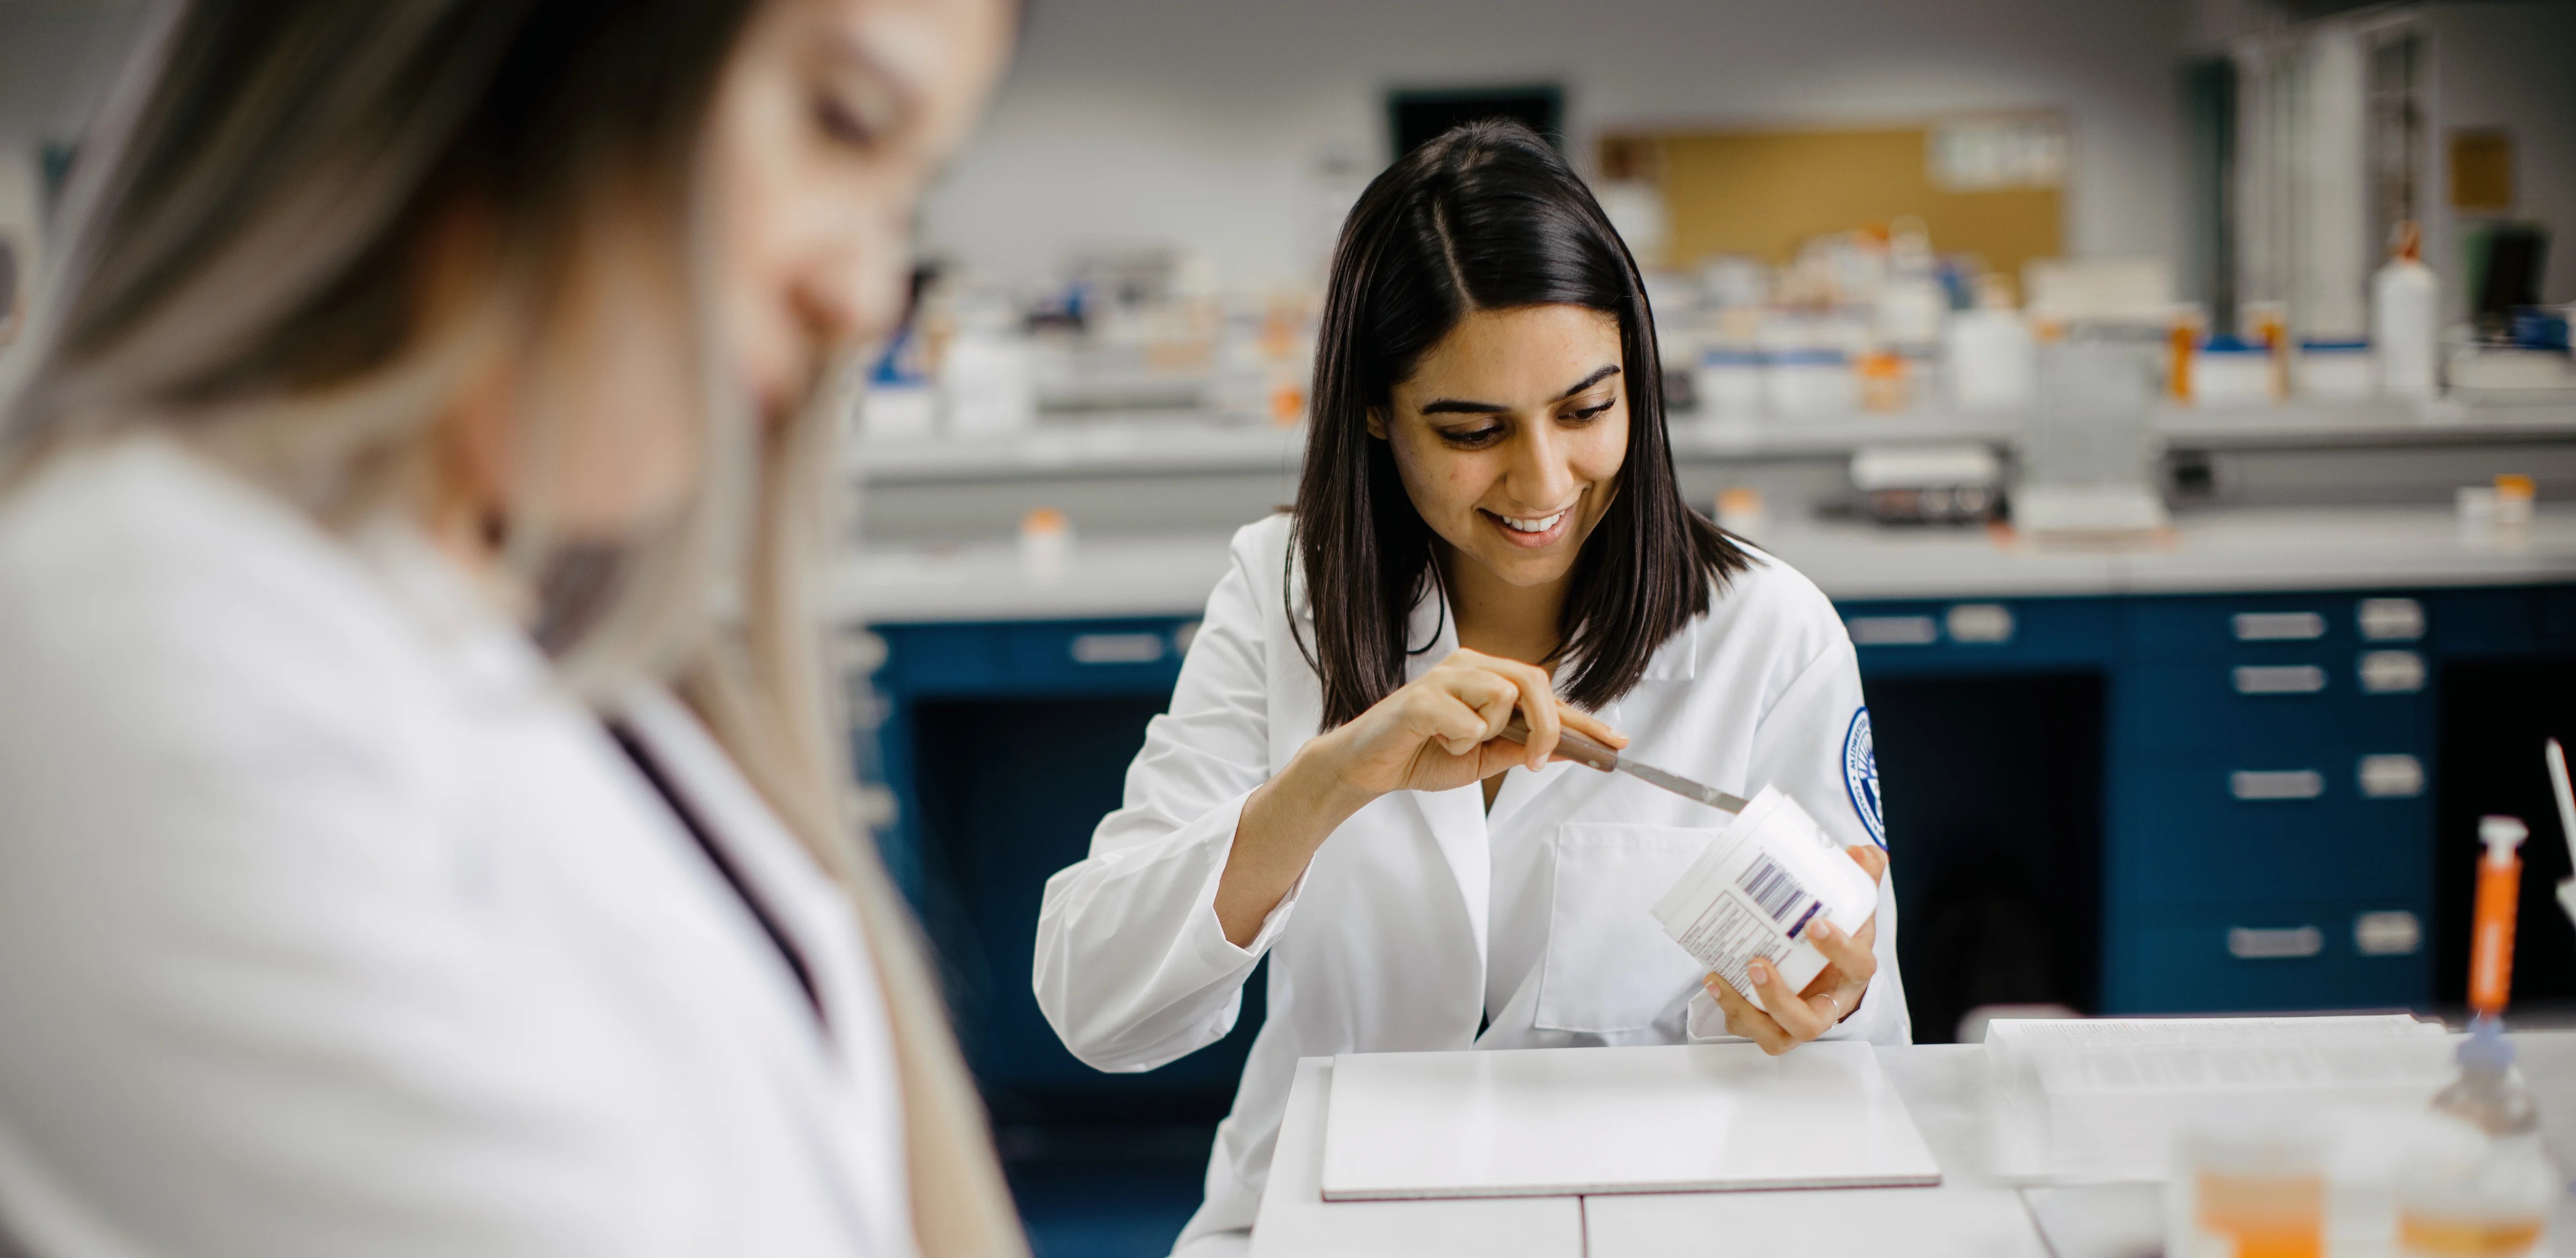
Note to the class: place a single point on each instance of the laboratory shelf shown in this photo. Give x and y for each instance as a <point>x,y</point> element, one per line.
<point>1185,443</point>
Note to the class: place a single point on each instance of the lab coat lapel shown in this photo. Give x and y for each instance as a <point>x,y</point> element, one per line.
<point>1456,818</point>
<point>800,900</point>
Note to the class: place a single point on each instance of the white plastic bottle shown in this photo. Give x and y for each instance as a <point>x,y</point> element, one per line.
<point>1993,362</point>
<point>2401,319</point>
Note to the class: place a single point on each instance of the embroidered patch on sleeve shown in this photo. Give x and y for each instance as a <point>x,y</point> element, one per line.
<point>1860,776</point>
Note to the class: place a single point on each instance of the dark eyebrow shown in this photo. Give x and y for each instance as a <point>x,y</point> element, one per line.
<point>1460,406</point>
<point>1589,381</point>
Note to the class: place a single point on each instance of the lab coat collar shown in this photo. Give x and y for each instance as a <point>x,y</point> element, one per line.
<point>1678,658</point>
<point>1429,622</point>
<point>463,624</point>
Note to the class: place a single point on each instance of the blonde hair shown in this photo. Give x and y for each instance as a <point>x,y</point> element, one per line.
<point>243,277</point>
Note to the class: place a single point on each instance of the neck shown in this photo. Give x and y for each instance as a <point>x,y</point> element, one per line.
<point>1495,617</point>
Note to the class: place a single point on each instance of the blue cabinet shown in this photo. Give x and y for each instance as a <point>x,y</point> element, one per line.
<point>2268,768</point>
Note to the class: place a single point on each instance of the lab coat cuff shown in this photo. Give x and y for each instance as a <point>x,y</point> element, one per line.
<point>1706,1021</point>
<point>1207,938</point>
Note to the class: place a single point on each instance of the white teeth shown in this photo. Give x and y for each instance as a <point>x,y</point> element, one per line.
<point>1539,525</point>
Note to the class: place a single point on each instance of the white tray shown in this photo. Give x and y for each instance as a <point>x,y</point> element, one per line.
<point>1561,1121</point>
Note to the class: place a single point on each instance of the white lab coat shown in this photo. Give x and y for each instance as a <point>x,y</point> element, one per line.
<point>330,926</point>
<point>1423,914</point>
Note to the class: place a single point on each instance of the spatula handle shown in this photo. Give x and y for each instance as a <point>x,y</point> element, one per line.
<point>1571,745</point>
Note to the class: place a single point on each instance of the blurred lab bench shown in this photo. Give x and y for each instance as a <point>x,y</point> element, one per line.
<point>1943,1086</point>
<point>1164,473</point>
<point>2226,770</point>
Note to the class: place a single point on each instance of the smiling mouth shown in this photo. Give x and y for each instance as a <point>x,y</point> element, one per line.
<point>1531,531</point>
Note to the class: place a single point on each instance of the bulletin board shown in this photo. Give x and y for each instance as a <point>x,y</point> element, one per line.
<point>1763,193</point>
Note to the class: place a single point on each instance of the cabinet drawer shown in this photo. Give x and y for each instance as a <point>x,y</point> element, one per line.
<point>1968,635</point>
<point>2351,954</point>
<point>2292,828</point>
<point>2316,699</point>
<point>2252,627</point>
<point>1044,657</point>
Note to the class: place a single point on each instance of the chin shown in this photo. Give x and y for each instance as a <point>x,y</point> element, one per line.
<point>1524,569</point>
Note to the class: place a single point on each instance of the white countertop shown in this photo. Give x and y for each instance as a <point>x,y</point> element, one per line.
<point>1943,1087</point>
<point>2206,552</point>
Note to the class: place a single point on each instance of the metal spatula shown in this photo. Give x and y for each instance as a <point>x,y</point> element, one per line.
<point>1585,751</point>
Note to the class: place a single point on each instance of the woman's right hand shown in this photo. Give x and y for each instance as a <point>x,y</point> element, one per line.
<point>1442,730</point>
<point>1439,733</point>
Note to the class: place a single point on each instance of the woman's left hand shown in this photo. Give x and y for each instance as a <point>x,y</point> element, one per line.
<point>1835,993</point>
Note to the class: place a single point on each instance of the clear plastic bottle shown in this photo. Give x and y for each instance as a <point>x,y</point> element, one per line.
<point>2490,1195</point>
<point>2490,1094</point>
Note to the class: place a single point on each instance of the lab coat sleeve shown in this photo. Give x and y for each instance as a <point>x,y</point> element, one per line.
<point>1133,969</point>
<point>1814,744</point>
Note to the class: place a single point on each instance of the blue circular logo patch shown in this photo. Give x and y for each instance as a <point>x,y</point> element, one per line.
<point>1860,776</point>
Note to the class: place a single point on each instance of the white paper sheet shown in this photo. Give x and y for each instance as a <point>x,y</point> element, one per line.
<point>1666,1118</point>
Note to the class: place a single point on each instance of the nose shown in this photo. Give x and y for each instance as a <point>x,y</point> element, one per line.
<point>852,292</point>
<point>1541,474</point>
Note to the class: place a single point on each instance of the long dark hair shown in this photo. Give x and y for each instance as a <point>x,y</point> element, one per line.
<point>1487,217</point>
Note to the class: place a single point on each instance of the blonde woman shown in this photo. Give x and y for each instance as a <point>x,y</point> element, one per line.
<point>419,830</point>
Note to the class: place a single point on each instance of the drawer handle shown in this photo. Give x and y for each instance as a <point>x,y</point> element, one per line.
<point>2248,943</point>
<point>1117,648</point>
<point>2280,679</point>
<point>2262,784</point>
<point>2391,672</point>
<point>2395,933</point>
<point>2279,626</point>
<point>1980,622</point>
<point>2396,776</point>
<point>1893,630</point>
<point>2391,619</point>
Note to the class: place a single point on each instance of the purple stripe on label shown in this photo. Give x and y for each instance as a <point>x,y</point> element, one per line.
<point>1804,918</point>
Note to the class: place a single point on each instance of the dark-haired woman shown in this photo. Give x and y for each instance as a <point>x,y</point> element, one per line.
<point>1487,525</point>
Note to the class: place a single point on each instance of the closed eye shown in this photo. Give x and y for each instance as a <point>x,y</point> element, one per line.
<point>838,120</point>
<point>1472,438</point>
<point>1591,412</point>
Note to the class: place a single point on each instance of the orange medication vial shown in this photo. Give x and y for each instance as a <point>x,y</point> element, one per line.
<point>2491,934</point>
<point>2267,1216</point>
<point>2419,1236</point>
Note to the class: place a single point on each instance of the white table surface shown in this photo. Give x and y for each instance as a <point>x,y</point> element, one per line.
<point>1942,1085</point>
<point>2206,552</point>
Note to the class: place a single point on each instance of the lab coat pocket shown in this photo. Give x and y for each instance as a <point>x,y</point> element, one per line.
<point>1609,966</point>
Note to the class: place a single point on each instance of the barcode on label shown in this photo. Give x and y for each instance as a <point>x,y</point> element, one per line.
<point>1778,894</point>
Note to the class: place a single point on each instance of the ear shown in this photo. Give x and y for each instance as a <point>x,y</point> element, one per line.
<point>1377,423</point>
